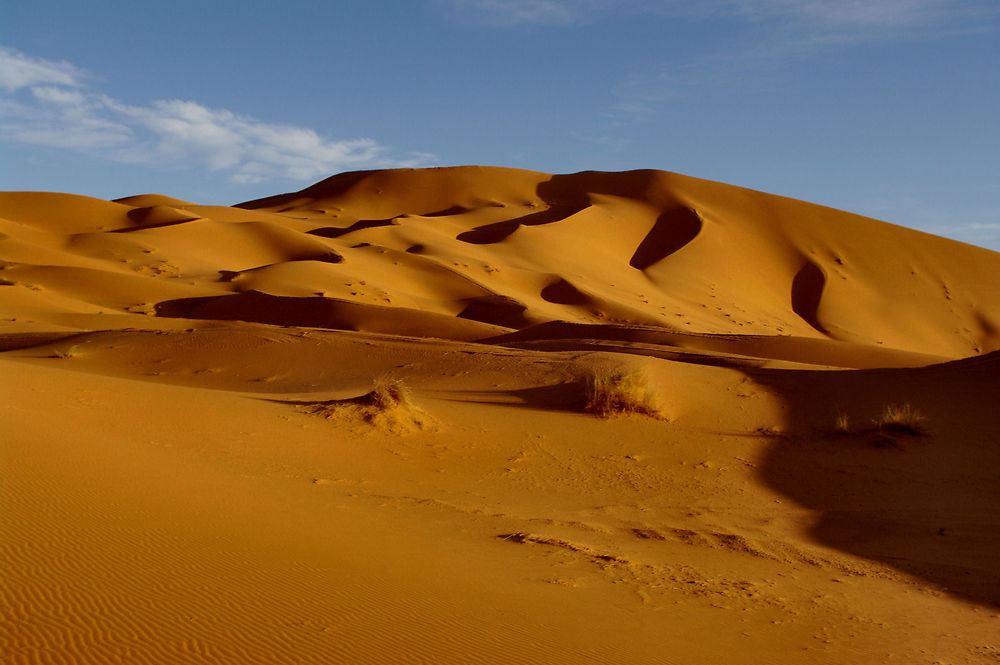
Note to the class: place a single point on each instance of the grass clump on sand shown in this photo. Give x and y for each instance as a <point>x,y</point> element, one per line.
<point>71,352</point>
<point>620,392</point>
<point>388,393</point>
<point>388,407</point>
<point>901,419</point>
<point>842,424</point>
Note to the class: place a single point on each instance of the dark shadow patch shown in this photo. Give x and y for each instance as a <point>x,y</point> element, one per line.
<point>568,397</point>
<point>493,233</point>
<point>336,232</point>
<point>154,217</point>
<point>807,290</point>
<point>329,188</point>
<point>924,505</point>
<point>496,310</point>
<point>561,292</point>
<point>447,212</point>
<point>672,231</point>
<point>257,307</point>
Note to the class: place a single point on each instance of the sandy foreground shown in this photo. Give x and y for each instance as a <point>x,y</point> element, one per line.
<point>350,425</point>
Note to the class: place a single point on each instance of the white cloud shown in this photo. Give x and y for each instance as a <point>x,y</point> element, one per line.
<point>49,105</point>
<point>21,71</point>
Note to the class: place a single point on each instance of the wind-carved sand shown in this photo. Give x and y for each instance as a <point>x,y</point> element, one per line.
<point>486,415</point>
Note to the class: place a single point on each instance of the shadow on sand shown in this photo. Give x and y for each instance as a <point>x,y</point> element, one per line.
<point>926,505</point>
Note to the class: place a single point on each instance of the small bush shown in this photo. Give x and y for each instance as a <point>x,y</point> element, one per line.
<point>620,392</point>
<point>903,419</point>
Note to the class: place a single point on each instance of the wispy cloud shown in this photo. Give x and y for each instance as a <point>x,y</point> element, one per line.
<point>777,32</point>
<point>50,104</point>
<point>837,15</point>
<point>859,13</point>
<point>508,13</point>
<point>18,70</point>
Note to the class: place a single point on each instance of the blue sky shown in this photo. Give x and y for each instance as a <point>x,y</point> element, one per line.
<point>887,108</point>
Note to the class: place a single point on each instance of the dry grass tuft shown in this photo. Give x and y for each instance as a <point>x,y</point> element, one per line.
<point>620,392</point>
<point>71,352</point>
<point>387,407</point>
<point>388,393</point>
<point>842,425</point>
<point>902,419</point>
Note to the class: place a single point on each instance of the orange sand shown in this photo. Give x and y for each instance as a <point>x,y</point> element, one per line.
<point>187,475</point>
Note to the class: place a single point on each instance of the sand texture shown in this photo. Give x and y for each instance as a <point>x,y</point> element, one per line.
<point>483,415</point>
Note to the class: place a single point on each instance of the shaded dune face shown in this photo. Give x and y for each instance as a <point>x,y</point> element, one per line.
<point>498,231</point>
<point>807,290</point>
<point>671,232</point>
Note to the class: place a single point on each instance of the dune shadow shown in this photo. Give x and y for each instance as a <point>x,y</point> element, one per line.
<point>447,212</point>
<point>924,505</point>
<point>561,292</point>
<point>156,217</point>
<point>807,290</point>
<point>497,231</point>
<point>336,232</point>
<point>497,310</point>
<point>672,231</point>
<point>570,397</point>
<point>257,307</point>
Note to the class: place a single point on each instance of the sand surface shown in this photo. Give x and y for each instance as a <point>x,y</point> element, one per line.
<point>195,467</point>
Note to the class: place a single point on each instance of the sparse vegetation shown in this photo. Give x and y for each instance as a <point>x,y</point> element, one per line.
<point>842,425</point>
<point>388,393</point>
<point>620,392</point>
<point>387,406</point>
<point>901,419</point>
<point>71,352</point>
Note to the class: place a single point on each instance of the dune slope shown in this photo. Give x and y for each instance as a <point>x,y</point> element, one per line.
<point>350,425</point>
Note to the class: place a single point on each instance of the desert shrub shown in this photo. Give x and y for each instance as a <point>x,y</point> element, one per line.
<point>901,418</point>
<point>620,392</point>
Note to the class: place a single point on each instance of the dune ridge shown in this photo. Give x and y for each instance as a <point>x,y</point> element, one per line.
<point>198,463</point>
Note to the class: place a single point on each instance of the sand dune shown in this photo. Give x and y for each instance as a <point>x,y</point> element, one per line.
<point>195,468</point>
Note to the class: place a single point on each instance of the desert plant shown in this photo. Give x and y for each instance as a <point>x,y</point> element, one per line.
<point>71,352</point>
<point>842,424</point>
<point>901,418</point>
<point>620,392</point>
<point>386,407</point>
<point>388,393</point>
